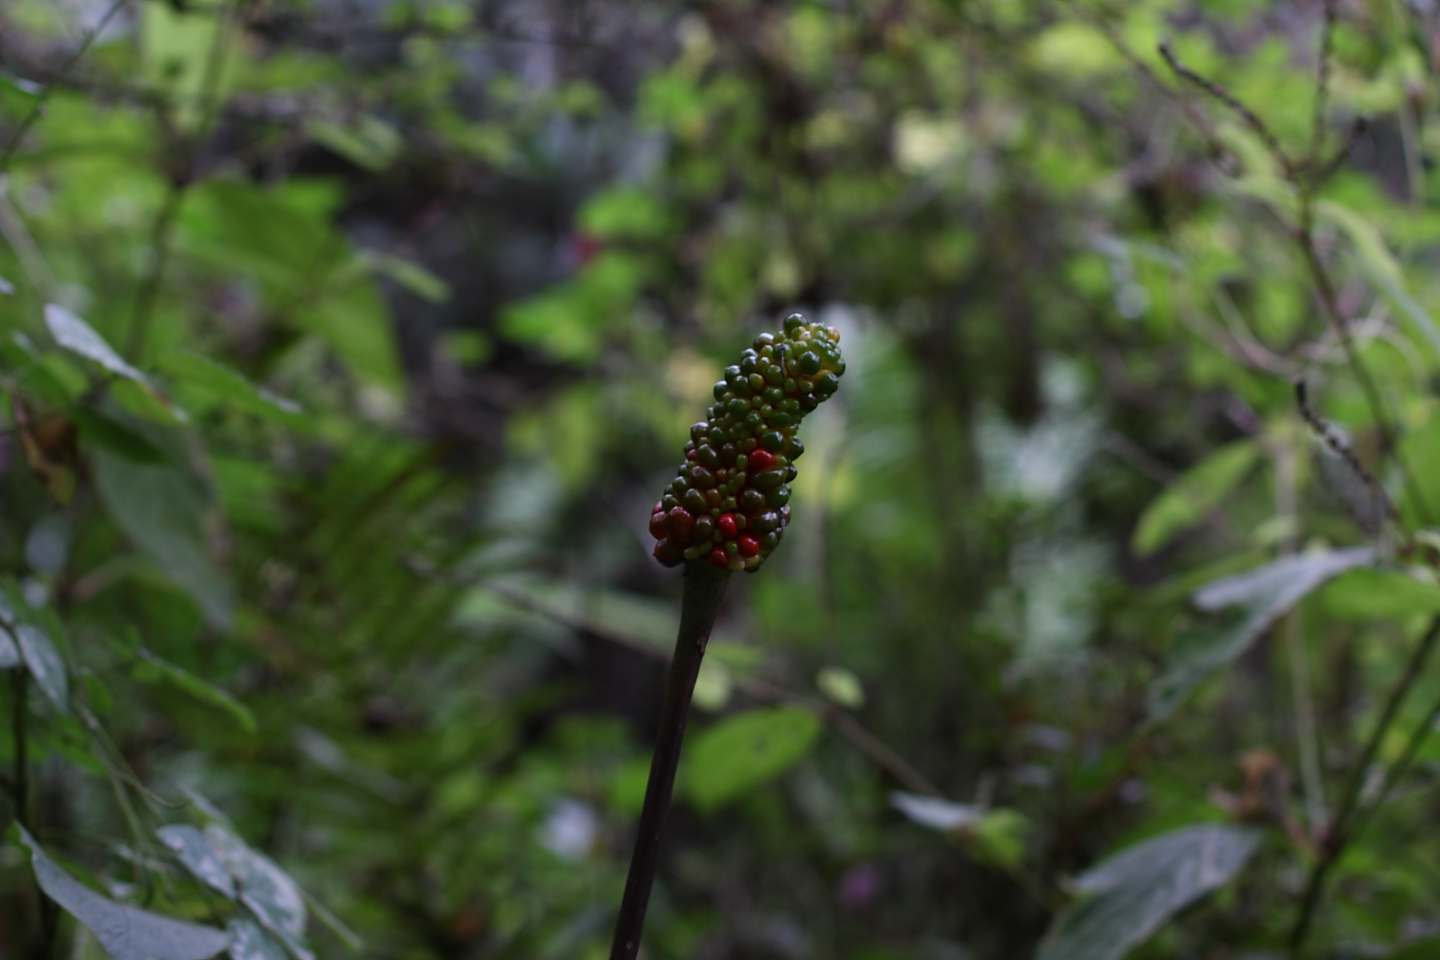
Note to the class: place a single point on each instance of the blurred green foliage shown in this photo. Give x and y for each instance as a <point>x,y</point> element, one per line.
<point>346,345</point>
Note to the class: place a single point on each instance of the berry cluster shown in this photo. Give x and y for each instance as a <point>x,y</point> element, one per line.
<point>730,502</point>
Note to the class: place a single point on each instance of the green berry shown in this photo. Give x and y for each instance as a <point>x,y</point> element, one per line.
<point>739,462</point>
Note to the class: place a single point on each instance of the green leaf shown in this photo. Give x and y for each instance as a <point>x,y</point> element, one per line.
<point>76,335</point>
<point>265,889</point>
<point>999,837</point>
<point>152,668</point>
<point>1263,596</point>
<point>1424,949</point>
<point>1364,594</point>
<point>623,213</point>
<point>411,276</point>
<point>45,664</point>
<point>250,942</point>
<point>841,686</point>
<point>1420,452</point>
<point>713,686</point>
<point>994,836</point>
<point>164,510</point>
<point>125,932</point>
<point>745,750</point>
<point>199,857</point>
<point>937,814</point>
<point>98,430</point>
<point>180,46</point>
<point>1133,893</point>
<point>1379,264</point>
<point>9,652</point>
<point>1194,494</point>
<point>368,141</point>
<point>353,320</point>
<point>222,383</point>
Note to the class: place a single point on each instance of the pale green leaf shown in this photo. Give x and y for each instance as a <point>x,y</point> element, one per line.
<point>1133,893</point>
<point>76,335</point>
<point>745,750</point>
<point>1263,596</point>
<point>125,932</point>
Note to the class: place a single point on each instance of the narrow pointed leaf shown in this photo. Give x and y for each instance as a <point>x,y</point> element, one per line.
<point>76,335</point>
<point>152,667</point>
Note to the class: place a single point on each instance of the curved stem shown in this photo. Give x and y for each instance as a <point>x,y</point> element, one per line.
<point>1340,833</point>
<point>704,589</point>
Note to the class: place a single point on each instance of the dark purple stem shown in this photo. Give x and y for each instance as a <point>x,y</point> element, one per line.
<point>704,589</point>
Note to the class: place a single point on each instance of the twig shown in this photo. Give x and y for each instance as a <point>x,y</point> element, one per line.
<point>1342,152</point>
<point>1338,836</point>
<point>1306,737</point>
<point>844,724</point>
<point>39,104</point>
<point>704,589</point>
<point>180,179</point>
<point>149,290</point>
<point>1401,767</point>
<point>1322,95</point>
<point>1252,121</point>
<point>1340,448</point>
<point>1331,304</point>
<point>20,693</point>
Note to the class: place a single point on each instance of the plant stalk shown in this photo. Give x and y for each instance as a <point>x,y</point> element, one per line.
<point>1340,832</point>
<point>704,589</point>
<point>20,694</point>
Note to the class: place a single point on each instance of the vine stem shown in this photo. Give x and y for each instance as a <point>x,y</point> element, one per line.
<point>704,589</point>
<point>39,106</point>
<point>1339,834</point>
<point>20,695</point>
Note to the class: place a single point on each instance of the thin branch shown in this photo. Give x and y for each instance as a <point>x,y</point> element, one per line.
<point>149,292</point>
<point>1339,835</point>
<point>20,708</point>
<point>1328,435</point>
<point>843,723</point>
<point>39,104</point>
<point>1306,737</point>
<point>1330,302</point>
<point>1332,166</point>
<point>1225,97</point>
<point>180,179</point>
<point>1400,768</point>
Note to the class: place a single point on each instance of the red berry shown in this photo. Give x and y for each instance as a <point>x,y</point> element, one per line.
<point>679,523</point>
<point>719,557</point>
<point>749,546</point>
<point>727,526</point>
<point>760,460</point>
<point>657,525</point>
